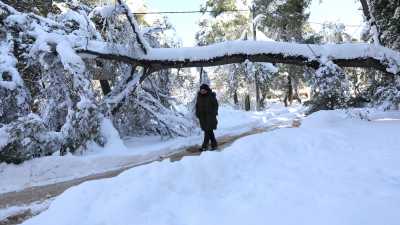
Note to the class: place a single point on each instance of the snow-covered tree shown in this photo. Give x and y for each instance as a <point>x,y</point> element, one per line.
<point>142,104</point>
<point>49,99</point>
<point>219,26</point>
<point>334,33</point>
<point>285,21</point>
<point>382,27</point>
<point>330,88</point>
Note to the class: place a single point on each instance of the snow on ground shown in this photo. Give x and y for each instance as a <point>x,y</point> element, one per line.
<point>117,154</point>
<point>334,169</point>
<point>35,208</point>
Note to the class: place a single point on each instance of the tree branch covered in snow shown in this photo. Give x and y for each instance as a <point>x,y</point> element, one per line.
<point>371,22</point>
<point>344,55</point>
<point>135,27</point>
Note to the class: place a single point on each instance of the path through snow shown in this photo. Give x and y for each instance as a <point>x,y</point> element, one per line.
<point>53,169</point>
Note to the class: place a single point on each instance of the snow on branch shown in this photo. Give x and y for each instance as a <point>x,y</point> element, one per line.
<point>10,78</point>
<point>135,27</point>
<point>344,55</point>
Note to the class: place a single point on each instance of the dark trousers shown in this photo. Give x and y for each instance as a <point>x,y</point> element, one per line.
<point>209,136</point>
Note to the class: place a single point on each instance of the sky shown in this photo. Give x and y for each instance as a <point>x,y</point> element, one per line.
<point>344,11</point>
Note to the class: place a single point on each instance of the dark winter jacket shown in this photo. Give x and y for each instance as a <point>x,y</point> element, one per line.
<point>207,110</point>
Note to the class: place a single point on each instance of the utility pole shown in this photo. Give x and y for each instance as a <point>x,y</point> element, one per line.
<point>253,11</point>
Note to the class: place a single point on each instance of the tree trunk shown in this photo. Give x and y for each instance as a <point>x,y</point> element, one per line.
<point>105,87</point>
<point>289,94</point>
<point>296,95</point>
<point>235,98</point>
<point>247,103</point>
<point>201,76</point>
<point>262,100</point>
<point>257,91</point>
<point>365,9</point>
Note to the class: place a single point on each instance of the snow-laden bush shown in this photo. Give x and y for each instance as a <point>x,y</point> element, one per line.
<point>63,96</point>
<point>388,96</point>
<point>14,97</point>
<point>330,88</point>
<point>28,137</point>
<point>143,110</point>
<point>82,125</point>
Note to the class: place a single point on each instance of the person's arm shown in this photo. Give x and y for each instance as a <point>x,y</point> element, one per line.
<point>197,106</point>
<point>215,101</point>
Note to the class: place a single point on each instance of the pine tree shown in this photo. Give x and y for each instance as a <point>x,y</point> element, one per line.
<point>285,21</point>
<point>49,101</point>
<point>225,26</point>
<point>330,88</point>
<point>383,17</point>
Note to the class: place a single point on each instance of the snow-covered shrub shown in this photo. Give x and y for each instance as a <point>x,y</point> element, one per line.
<point>14,97</point>
<point>140,109</point>
<point>330,88</point>
<point>12,107</point>
<point>386,17</point>
<point>383,28</point>
<point>82,125</point>
<point>380,90</point>
<point>59,90</point>
<point>388,96</point>
<point>28,138</point>
<point>143,114</point>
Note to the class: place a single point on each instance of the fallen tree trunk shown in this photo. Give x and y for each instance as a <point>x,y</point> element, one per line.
<point>344,55</point>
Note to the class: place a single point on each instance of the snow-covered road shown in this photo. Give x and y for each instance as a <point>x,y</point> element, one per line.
<point>53,169</point>
<point>334,169</point>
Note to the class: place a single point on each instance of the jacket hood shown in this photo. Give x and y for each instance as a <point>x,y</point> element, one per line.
<point>205,87</point>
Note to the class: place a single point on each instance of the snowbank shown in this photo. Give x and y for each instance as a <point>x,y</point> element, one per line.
<point>335,169</point>
<point>114,142</point>
<point>34,208</point>
<point>117,154</point>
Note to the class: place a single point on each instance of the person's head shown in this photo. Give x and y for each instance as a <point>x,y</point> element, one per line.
<point>204,89</point>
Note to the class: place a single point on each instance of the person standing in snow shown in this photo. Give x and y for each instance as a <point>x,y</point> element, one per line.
<point>206,112</point>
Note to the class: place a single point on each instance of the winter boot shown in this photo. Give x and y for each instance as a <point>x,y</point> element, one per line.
<point>203,149</point>
<point>214,147</point>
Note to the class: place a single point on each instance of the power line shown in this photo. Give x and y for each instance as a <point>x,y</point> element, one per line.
<point>347,25</point>
<point>191,11</point>
<point>222,11</point>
